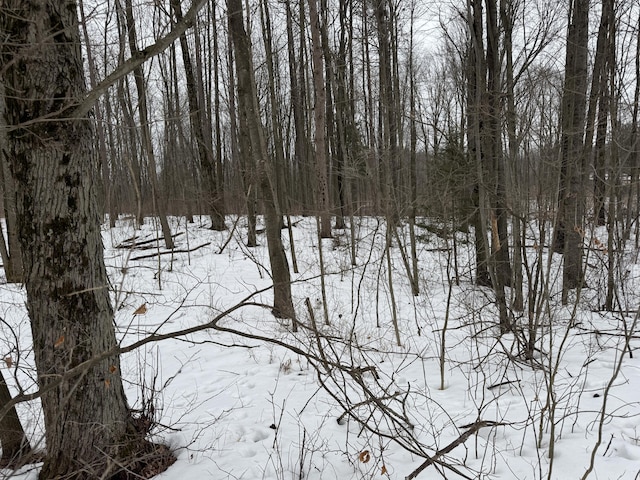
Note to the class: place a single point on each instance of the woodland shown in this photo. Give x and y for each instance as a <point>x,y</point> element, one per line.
<point>393,199</point>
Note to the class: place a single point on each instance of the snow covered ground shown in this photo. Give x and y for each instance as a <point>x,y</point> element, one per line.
<point>350,403</point>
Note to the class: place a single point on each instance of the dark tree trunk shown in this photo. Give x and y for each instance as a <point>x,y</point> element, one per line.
<point>10,250</point>
<point>388,111</point>
<point>320,129</point>
<point>197,119</point>
<point>492,144</point>
<point>601,94</point>
<point>507,9</point>
<point>159,201</point>
<point>297,105</point>
<point>249,119</point>
<point>568,238</point>
<point>15,445</point>
<point>54,165</point>
<point>475,71</point>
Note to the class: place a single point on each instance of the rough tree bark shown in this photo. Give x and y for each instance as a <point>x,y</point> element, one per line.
<point>52,159</point>
<point>10,251</point>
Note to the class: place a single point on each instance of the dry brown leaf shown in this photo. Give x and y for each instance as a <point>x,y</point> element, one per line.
<point>107,383</point>
<point>59,342</point>
<point>113,369</point>
<point>384,470</point>
<point>141,310</point>
<point>365,456</point>
<point>9,361</point>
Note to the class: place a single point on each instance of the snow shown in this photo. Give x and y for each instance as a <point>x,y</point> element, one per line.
<point>244,406</point>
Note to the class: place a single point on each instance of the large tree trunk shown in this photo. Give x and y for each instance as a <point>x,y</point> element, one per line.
<point>53,162</point>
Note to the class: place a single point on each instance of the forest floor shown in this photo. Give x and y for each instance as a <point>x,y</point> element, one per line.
<point>249,399</point>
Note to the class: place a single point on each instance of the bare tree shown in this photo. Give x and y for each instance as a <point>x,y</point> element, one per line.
<point>568,237</point>
<point>599,108</point>
<point>298,104</point>
<point>159,200</point>
<point>200,126</point>
<point>385,15</point>
<point>250,121</point>
<point>320,128</point>
<point>475,80</point>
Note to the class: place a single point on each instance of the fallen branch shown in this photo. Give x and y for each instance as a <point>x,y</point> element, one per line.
<point>133,242</point>
<point>502,384</point>
<point>151,255</point>
<point>473,428</point>
<point>587,331</point>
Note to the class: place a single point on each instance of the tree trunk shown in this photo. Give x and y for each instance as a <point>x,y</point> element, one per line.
<point>241,153</point>
<point>145,130</point>
<point>275,129</point>
<point>388,112</point>
<point>11,257</point>
<point>600,95</point>
<point>203,141</point>
<point>568,237</point>
<point>413,171</point>
<point>297,105</point>
<point>492,154</point>
<point>102,144</point>
<point>514,194</point>
<point>320,128</point>
<point>53,162</point>
<point>475,69</point>
<point>250,121</point>
<point>15,445</point>
<point>345,132</point>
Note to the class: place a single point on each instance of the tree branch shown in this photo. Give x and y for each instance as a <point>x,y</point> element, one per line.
<point>138,59</point>
<point>473,428</point>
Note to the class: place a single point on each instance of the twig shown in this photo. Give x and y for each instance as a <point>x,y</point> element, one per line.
<point>233,230</point>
